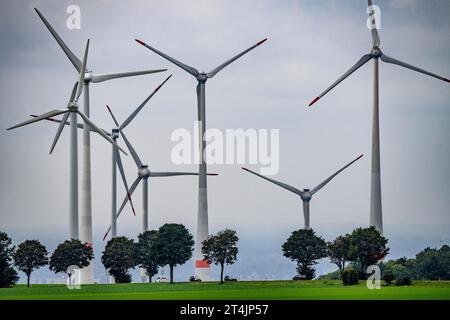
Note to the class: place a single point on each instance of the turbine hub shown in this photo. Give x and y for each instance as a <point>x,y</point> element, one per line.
<point>306,195</point>
<point>143,172</point>
<point>73,106</point>
<point>202,77</point>
<point>87,76</point>
<point>376,52</point>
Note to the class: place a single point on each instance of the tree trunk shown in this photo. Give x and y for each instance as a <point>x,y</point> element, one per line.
<point>221,273</point>
<point>149,279</point>
<point>28,279</point>
<point>171,273</point>
<point>342,269</point>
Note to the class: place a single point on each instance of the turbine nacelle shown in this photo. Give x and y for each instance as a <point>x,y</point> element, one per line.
<point>144,172</point>
<point>115,133</point>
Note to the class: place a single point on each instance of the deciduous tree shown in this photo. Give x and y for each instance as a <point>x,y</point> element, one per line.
<point>304,247</point>
<point>221,249</point>
<point>175,246</point>
<point>29,256</point>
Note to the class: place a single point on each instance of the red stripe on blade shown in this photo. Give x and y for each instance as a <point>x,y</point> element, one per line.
<point>139,41</point>
<point>314,101</point>
<point>262,41</point>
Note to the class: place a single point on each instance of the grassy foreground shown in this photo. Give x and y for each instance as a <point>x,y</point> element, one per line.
<point>257,290</point>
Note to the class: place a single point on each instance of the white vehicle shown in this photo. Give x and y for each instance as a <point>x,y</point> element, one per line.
<point>161,279</point>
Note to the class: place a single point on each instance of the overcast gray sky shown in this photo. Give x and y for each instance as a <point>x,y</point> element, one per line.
<point>310,44</point>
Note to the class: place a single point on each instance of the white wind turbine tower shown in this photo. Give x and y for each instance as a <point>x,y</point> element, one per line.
<point>376,217</point>
<point>305,194</point>
<point>143,174</point>
<point>86,196</point>
<point>72,111</point>
<point>202,268</point>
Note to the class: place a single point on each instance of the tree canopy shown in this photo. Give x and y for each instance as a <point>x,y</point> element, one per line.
<point>119,257</point>
<point>367,247</point>
<point>29,256</point>
<point>8,276</point>
<point>433,264</point>
<point>70,253</point>
<point>146,252</point>
<point>338,251</point>
<point>221,249</point>
<point>175,245</point>
<point>304,247</point>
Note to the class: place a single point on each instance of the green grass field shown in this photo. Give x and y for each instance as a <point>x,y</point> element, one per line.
<point>257,290</point>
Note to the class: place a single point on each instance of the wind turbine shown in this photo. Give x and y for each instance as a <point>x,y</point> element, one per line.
<point>116,159</point>
<point>72,111</point>
<point>376,217</point>
<point>143,174</point>
<point>201,266</point>
<point>305,194</point>
<point>86,194</point>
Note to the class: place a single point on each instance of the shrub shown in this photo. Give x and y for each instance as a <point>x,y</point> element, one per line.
<point>350,277</point>
<point>388,277</point>
<point>123,278</point>
<point>404,281</point>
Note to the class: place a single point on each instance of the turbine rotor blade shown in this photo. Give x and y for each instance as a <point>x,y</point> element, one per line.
<point>79,125</point>
<point>138,109</point>
<point>60,129</point>
<point>323,183</point>
<point>364,59</point>
<point>132,151</point>
<point>99,131</point>
<point>128,196</point>
<point>388,59</point>
<point>112,116</point>
<point>105,77</point>
<point>124,179</point>
<point>75,61</point>
<point>172,174</point>
<point>183,66</point>
<point>226,63</point>
<point>375,36</point>
<point>82,72</point>
<point>281,184</point>
<point>107,232</point>
<point>39,118</point>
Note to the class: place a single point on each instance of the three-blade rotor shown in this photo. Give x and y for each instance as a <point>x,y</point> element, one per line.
<point>298,191</point>
<point>375,54</point>
<point>72,107</point>
<point>193,71</point>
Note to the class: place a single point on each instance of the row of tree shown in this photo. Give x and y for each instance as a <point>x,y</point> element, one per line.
<point>428,264</point>
<point>172,245</point>
<point>363,247</point>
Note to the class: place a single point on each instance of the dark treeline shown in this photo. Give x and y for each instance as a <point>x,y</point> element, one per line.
<point>172,245</point>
